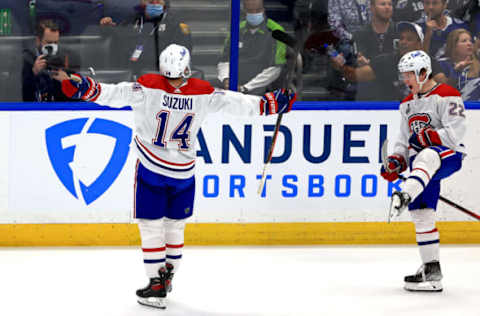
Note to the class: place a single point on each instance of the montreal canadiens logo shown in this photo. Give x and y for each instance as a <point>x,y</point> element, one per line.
<point>418,121</point>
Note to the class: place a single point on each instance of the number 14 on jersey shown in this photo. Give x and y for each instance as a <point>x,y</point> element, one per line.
<point>179,134</point>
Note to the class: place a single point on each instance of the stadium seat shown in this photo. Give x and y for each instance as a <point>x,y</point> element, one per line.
<point>11,63</point>
<point>94,50</point>
<point>11,48</point>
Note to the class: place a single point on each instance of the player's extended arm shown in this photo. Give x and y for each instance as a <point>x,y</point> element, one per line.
<point>81,88</point>
<point>114,95</point>
<point>239,104</point>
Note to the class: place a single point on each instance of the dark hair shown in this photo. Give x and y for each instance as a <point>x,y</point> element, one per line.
<point>42,25</point>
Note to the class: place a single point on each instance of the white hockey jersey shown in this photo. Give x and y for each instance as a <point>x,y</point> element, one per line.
<point>442,108</point>
<point>167,119</point>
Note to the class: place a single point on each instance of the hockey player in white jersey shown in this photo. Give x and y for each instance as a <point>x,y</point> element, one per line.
<point>168,109</point>
<point>430,142</point>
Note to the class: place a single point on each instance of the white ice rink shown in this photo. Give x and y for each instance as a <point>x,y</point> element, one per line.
<point>340,280</point>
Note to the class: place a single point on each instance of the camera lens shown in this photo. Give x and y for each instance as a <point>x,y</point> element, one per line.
<point>49,50</point>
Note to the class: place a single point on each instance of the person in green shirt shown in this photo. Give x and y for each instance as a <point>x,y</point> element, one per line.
<point>261,58</point>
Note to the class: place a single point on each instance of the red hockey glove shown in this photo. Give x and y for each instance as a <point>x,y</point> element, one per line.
<point>426,137</point>
<point>278,101</point>
<point>396,164</point>
<point>80,87</point>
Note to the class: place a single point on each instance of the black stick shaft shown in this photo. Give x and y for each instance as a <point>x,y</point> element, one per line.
<point>452,204</point>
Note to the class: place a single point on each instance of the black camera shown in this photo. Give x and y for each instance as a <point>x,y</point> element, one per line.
<point>54,62</point>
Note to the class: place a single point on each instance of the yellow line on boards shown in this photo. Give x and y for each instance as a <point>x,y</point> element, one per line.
<point>334,233</point>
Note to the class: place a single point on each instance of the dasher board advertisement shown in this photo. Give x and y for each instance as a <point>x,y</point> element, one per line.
<point>78,167</point>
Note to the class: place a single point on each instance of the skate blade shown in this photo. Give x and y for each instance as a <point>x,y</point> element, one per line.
<point>427,286</point>
<point>156,302</point>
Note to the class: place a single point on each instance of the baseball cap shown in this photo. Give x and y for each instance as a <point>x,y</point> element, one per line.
<point>412,27</point>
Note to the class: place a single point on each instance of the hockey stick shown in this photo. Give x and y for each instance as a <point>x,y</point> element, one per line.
<point>291,43</point>
<point>441,198</point>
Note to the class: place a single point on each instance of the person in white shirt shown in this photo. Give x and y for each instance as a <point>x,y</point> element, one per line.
<point>430,142</point>
<point>169,109</point>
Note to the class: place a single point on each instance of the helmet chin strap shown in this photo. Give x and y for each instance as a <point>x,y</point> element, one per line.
<point>420,83</point>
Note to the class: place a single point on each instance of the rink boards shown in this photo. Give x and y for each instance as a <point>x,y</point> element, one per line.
<point>68,178</point>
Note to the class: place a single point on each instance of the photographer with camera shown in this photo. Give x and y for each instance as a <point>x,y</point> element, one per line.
<point>44,61</point>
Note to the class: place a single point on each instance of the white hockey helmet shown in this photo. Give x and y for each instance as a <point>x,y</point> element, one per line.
<point>416,61</point>
<point>175,62</point>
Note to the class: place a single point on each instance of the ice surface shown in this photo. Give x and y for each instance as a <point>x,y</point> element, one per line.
<point>322,280</point>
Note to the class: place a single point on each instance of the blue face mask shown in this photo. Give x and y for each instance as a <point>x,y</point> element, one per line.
<point>154,10</point>
<point>254,19</point>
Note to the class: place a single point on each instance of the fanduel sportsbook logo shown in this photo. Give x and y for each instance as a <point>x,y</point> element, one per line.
<point>62,143</point>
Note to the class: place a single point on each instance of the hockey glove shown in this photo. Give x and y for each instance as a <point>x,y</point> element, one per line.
<point>426,137</point>
<point>396,164</point>
<point>80,87</point>
<point>276,102</point>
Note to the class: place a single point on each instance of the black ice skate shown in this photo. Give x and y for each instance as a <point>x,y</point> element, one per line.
<point>427,279</point>
<point>169,277</point>
<point>398,204</point>
<point>154,294</point>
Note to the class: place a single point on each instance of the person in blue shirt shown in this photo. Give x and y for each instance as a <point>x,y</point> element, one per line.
<point>461,65</point>
<point>436,26</point>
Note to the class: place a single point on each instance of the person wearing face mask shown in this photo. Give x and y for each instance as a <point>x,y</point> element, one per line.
<point>43,61</point>
<point>261,58</point>
<point>138,39</point>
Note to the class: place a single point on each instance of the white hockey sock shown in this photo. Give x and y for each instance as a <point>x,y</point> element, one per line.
<point>427,235</point>
<point>424,167</point>
<point>174,234</point>
<point>152,233</point>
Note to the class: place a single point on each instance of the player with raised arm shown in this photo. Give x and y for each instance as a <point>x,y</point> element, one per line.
<point>169,109</point>
<point>432,128</point>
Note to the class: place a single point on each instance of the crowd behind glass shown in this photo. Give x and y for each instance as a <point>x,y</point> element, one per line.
<point>349,48</point>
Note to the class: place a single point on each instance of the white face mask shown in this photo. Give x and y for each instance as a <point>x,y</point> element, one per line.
<point>255,19</point>
<point>50,49</point>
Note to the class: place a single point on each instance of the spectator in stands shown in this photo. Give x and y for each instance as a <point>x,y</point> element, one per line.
<point>382,72</point>
<point>470,13</point>
<point>461,65</point>
<point>73,17</point>
<point>312,31</point>
<point>436,27</point>
<point>261,58</point>
<point>407,10</point>
<point>413,10</point>
<point>372,40</point>
<point>347,17</point>
<point>138,40</point>
<point>379,36</point>
<point>39,64</point>
<point>455,6</point>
